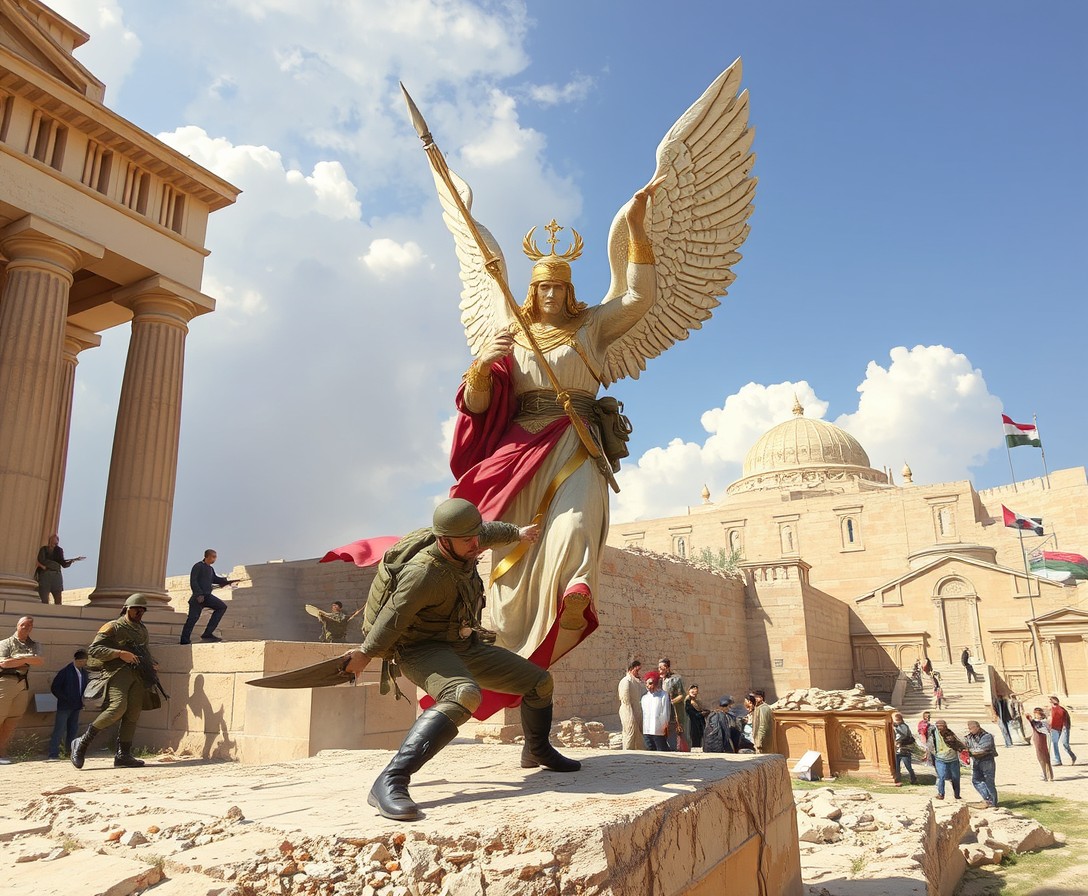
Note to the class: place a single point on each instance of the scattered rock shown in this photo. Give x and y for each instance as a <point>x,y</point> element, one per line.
<point>133,838</point>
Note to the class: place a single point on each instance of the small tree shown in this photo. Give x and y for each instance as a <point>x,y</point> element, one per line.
<point>721,559</point>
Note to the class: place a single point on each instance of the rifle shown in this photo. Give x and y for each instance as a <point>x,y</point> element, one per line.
<point>145,668</point>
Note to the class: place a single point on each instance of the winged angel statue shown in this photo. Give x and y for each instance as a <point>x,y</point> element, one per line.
<point>532,442</point>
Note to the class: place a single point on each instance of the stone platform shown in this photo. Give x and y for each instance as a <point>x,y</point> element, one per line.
<point>641,824</point>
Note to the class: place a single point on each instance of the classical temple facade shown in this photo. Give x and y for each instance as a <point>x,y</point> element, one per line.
<point>101,225</point>
<point>919,570</point>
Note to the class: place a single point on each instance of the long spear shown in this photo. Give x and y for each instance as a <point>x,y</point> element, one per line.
<point>493,265</point>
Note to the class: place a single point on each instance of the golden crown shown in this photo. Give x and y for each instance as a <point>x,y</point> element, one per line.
<point>530,248</point>
<point>555,265</point>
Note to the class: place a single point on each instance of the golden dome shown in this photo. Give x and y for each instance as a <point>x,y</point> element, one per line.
<point>803,451</point>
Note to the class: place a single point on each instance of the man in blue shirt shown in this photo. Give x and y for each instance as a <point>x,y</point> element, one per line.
<point>202,579</point>
<point>980,744</point>
<point>67,686</point>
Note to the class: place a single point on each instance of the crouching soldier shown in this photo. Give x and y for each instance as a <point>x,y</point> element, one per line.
<point>121,667</point>
<point>423,613</point>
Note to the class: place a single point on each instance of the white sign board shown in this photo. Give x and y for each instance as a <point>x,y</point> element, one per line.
<point>806,764</point>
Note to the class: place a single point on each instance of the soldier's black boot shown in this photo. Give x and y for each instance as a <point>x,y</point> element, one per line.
<point>538,750</point>
<point>77,749</point>
<point>124,757</point>
<point>389,795</point>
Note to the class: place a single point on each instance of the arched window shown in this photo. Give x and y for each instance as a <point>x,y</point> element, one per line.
<point>849,531</point>
<point>680,546</point>
<point>734,542</point>
<point>945,522</point>
<point>787,540</point>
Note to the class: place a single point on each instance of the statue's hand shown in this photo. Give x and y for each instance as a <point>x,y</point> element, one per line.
<point>636,211</point>
<point>498,346</point>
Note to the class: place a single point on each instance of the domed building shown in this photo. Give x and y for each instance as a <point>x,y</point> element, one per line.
<point>851,577</point>
<point>807,453</point>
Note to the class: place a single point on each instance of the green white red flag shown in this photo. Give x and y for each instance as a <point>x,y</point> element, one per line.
<point>1018,521</point>
<point>1075,565</point>
<point>1017,434</point>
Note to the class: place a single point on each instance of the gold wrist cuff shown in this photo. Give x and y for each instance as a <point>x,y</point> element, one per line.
<point>477,378</point>
<point>640,252</point>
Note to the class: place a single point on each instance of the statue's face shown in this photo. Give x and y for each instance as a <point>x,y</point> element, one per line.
<point>551,297</point>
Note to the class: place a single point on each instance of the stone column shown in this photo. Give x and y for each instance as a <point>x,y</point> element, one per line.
<point>76,339</point>
<point>143,467</point>
<point>33,310</point>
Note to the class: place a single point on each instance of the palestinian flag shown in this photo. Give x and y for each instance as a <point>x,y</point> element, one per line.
<point>1074,565</point>
<point>1017,434</point>
<point>1016,521</point>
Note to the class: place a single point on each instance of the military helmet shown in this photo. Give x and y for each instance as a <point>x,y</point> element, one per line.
<point>137,600</point>
<point>456,518</point>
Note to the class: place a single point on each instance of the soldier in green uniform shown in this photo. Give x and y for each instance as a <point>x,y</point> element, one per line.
<point>334,625</point>
<point>426,619</point>
<point>115,655</point>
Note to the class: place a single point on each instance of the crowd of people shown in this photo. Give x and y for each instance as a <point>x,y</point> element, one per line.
<point>937,745</point>
<point>115,674</point>
<point>658,712</point>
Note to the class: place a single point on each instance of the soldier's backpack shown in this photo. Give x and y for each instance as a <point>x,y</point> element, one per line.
<point>385,580</point>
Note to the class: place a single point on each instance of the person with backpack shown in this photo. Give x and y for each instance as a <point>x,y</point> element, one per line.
<point>904,745</point>
<point>945,748</point>
<point>423,618</point>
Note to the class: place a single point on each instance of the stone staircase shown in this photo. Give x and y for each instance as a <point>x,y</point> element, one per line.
<point>962,701</point>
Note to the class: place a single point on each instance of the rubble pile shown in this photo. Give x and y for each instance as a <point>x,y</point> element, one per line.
<point>577,733</point>
<point>818,700</point>
<point>573,733</point>
<point>397,864</point>
<point>871,842</point>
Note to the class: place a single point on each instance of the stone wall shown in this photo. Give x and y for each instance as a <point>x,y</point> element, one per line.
<point>649,606</point>
<point>800,636</point>
<point>827,623</point>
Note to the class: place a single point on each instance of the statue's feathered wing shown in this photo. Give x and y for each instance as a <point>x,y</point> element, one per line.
<point>696,222</point>
<point>483,309</point>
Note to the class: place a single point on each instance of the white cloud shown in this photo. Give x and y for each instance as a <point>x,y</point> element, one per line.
<point>554,94</point>
<point>335,194</point>
<point>504,139</point>
<point>112,49</point>
<point>929,407</point>
<point>386,257</point>
<point>667,480</point>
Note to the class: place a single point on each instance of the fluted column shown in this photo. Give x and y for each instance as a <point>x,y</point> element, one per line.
<point>33,312</point>
<point>143,468</point>
<point>76,339</point>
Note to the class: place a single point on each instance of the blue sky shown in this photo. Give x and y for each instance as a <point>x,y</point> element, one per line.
<point>922,197</point>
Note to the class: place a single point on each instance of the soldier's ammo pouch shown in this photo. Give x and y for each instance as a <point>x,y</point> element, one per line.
<point>615,430</point>
<point>152,700</point>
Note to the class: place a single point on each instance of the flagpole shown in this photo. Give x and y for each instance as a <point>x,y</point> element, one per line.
<point>1008,452</point>
<point>1031,603</point>
<point>1042,450</point>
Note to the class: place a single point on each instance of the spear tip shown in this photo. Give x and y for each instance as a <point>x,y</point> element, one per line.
<point>418,121</point>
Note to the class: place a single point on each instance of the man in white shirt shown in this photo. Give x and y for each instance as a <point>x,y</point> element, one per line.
<point>631,690</point>
<point>656,713</point>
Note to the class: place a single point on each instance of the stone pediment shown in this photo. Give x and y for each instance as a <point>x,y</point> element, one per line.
<point>934,566</point>
<point>39,37</point>
<point>1064,616</point>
